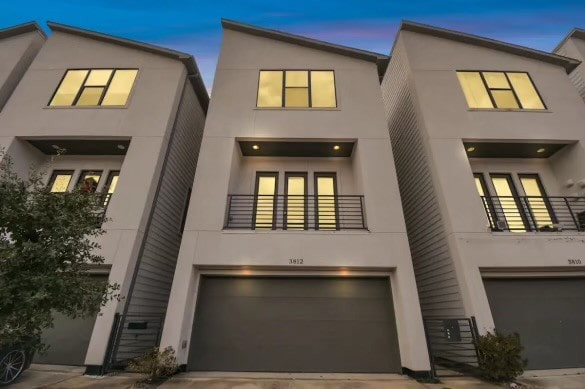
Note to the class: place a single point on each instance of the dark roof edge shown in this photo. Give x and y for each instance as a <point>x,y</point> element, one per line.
<point>575,33</point>
<point>187,59</point>
<point>568,63</point>
<point>21,29</point>
<point>303,41</point>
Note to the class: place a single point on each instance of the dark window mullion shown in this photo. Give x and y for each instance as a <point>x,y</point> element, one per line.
<point>489,91</point>
<point>106,87</point>
<point>309,88</point>
<point>81,89</point>
<point>284,89</point>
<point>513,91</point>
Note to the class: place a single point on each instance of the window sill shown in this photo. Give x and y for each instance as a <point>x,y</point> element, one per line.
<point>87,107</point>
<point>507,110</point>
<point>295,109</point>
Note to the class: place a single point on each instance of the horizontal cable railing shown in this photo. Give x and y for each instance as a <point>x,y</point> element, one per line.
<point>533,213</point>
<point>295,212</point>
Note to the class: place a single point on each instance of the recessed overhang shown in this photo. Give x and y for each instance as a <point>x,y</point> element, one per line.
<point>511,149</point>
<point>81,146</point>
<point>380,60</point>
<point>21,29</point>
<point>295,149</point>
<point>188,60</point>
<point>568,63</point>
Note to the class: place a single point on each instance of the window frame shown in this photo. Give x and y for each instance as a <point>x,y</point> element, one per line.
<point>84,172</point>
<point>260,174</point>
<point>488,198</point>
<point>519,206</point>
<point>493,101</point>
<point>544,195</point>
<point>81,89</point>
<point>305,176</point>
<point>54,175</point>
<point>309,89</point>
<point>316,176</point>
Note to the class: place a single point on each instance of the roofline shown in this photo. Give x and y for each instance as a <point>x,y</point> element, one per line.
<point>365,55</point>
<point>21,29</point>
<point>188,60</point>
<point>578,33</point>
<point>568,63</point>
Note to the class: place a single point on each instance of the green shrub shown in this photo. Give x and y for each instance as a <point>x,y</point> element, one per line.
<point>156,364</point>
<point>500,357</point>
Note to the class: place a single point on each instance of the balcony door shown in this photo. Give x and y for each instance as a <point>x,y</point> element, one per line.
<point>326,212</point>
<point>264,212</point>
<point>295,189</point>
<point>541,211</point>
<point>509,207</point>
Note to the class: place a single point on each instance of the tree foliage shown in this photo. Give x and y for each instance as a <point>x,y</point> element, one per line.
<point>500,357</point>
<point>47,245</point>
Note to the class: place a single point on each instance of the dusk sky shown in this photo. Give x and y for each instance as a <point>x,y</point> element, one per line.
<point>194,26</point>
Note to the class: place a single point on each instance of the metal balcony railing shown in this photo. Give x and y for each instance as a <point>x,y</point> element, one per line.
<point>104,199</point>
<point>532,213</point>
<point>281,212</point>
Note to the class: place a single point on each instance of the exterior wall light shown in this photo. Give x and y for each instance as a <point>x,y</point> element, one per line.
<point>121,147</point>
<point>336,147</point>
<point>256,147</point>
<point>470,149</point>
<point>541,150</point>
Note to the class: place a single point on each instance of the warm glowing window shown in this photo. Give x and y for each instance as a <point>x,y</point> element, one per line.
<point>296,89</point>
<point>502,90</point>
<point>94,87</point>
<point>59,182</point>
<point>508,200</point>
<point>296,201</point>
<point>89,180</point>
<point>326,190</point>
<point>264,207</point>
<point>536,197</point>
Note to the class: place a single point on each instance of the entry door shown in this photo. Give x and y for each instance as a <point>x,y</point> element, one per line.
<point>264,212</point>
<point>296,201</point>
<point>326,213</point>
<point>510,207</point>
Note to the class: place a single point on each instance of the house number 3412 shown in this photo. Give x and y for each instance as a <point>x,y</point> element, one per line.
<point>295,261</point>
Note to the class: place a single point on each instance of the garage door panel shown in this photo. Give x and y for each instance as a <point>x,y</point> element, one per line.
<point>307,334</point>
<point>549,315</point>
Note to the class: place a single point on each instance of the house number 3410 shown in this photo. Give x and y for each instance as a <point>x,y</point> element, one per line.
<point>575,261</point>
<point>295,261</point>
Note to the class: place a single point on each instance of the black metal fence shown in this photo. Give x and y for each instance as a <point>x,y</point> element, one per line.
<point>531,213</point>
<point>132,336</point>
<point>451,343</point>
<point>267,212</point>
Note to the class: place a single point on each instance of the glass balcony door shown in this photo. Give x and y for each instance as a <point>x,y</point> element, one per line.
<point>264,211</point>
<point>540,208</point>
<point>326,213</point>
<point>296,201</point>
<point>510,208</point>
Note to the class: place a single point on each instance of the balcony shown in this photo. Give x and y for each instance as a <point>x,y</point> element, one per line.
<point>535,214</point>
<point>298,213</point>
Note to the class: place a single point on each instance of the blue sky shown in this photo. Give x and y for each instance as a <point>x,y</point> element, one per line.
<point>194,26</point>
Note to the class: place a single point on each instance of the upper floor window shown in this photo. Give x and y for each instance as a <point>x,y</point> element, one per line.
<point>499,90</point>
<point>296,89</point>
<point>94,87</point>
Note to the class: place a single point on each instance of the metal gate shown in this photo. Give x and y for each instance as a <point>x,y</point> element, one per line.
<point>451,343</point>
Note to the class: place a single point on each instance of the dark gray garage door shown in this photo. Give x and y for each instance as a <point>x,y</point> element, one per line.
<point>68,339</point>
<point>549,315</point>
<point>294,325</point>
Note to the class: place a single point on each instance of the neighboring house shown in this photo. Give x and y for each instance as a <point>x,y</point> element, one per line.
<point>574,46</point>
<point>18,47</point>
<point>489,147</point>
<point>130,117</point>
<point>295,256</point>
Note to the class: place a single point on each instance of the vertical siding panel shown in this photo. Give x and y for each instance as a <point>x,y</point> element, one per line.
<point>152,286</point>
<point>437,285</point>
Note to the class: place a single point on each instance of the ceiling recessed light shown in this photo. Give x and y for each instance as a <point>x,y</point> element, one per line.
<point>56,147</point>
<point>121,147</point>
<point>336,147</point>
<point>541,150</point>
<point>256,147</point>
<point>470,149</point>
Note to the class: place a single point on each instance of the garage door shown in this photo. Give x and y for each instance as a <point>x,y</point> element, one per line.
<point>294,325</point>
<point>549,315</point>
<point>68,339</point>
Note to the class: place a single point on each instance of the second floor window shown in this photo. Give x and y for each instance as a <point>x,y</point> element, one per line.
<point>296,89</point>
<point>499,90</point>
<point>94,87</point>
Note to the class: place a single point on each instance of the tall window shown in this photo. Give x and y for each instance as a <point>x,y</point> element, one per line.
<point>296,89</point>
<point>94,87</point>
<point>326,191</point>
<point>59,182</point>
<point>503,90</point>
<point>540,208</point>
<point>265,200</point>
<point>89,180</point>
<point>509,202</point>
<point>296,201</point>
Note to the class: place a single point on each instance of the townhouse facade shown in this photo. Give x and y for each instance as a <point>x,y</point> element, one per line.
<point>489,146</point>
<point>295,255</point>
<point>573,46</point>
<point>130,118</point>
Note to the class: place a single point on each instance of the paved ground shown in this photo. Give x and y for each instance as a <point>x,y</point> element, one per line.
<point>45,376</point>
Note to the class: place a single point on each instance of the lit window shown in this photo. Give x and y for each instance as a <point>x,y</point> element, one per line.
<point>89,180</point>
<point>93,87</point>
<point>296,89</point>
<point>59,182</point>
<point>503,90</point>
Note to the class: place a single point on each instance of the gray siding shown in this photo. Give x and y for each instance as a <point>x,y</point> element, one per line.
<point>150,291</point>
<point>35,43</point>
<point>435,274</point>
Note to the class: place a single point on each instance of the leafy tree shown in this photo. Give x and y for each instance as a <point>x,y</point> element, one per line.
<point>47,245</point>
